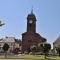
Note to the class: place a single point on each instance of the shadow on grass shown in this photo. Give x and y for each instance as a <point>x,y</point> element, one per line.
<point>49,59</point>
<point>37,55</point>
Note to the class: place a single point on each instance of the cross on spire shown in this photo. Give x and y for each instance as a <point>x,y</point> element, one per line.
<point>32,10</point>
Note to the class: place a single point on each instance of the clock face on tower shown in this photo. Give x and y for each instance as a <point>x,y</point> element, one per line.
<point>30,21</point>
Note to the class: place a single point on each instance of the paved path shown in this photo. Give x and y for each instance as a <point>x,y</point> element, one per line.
<point>19,59</point>
<point>13,59</point>
<point>27,59</point>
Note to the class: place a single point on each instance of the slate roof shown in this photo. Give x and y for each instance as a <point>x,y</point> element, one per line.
<point>8,39</point>
<point>57,40</point>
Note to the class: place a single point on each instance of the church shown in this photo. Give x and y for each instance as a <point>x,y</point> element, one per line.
<point>30,37</point>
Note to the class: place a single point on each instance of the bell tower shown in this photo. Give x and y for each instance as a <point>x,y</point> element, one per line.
<point>30,37</point>
<point>31,22</point>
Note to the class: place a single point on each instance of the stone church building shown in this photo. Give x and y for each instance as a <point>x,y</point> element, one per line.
<point>30,37</point>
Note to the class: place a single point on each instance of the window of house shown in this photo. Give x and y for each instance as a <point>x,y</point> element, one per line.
<point>0,45</point>
<point>11,44</point>
<point>0,48</point>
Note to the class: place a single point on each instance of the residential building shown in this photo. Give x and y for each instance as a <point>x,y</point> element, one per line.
<point>55,44</point>
<point>11,41</point>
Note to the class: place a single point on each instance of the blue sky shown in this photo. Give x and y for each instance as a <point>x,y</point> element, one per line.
<point>14,12</point>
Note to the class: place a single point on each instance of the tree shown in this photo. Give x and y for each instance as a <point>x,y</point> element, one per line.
<point>16,50</point>
<point>41,45</point>
<point>1,24</point>
<point>28,50</point>
<point>5,48</point>
<point>45,48</point>
<point>58,49</point>
<point>33,49</point>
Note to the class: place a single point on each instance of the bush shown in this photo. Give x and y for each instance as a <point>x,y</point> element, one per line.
<point>25,52</point>
<point>30,53</point>
<point>19,52</point>
<point>39,53</point>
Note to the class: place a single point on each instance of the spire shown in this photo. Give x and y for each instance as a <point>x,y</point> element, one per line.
<point>32,10</point>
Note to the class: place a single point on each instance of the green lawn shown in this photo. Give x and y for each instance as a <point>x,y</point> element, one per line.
<point>27,56</point>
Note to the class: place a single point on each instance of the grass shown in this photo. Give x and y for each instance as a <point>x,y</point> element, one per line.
<point>55,57</point>
<point>27,56</point>
<point>24,56</point>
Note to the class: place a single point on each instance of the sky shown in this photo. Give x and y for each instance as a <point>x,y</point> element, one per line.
<point>14,13</point>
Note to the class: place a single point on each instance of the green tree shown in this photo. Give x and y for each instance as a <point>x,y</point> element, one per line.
<point>33,49</point>
<point>58,49</point>
<point>45,48</point>
<point>41,45</point>
<point>5,48</point>
<point>1,24</point>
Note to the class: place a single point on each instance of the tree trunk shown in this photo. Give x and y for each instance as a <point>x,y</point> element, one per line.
<point>5,54</point>
<point>59,54</point>
<point>45,55</point>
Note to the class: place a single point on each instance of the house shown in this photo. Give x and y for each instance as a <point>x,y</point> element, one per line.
<point>11,41</point>
<point>55,44</point>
